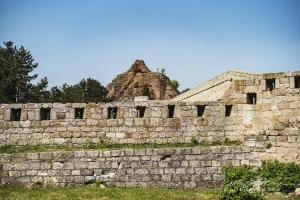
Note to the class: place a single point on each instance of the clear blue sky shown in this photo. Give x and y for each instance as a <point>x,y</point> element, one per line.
<point>193,40</point>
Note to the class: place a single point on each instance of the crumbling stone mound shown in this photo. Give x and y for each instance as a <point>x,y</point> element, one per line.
<point>140,81</point>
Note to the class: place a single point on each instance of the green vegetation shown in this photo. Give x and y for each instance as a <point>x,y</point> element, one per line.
<point>146,91</point>
<point>16,76</point>
<point>280,177</point>
<point>194,141</point>
<point>16,68</point>
<point>89,90</point>
<point>93,192</point>
<point>175,84</point>
<point>96,193</point>
<point>274,176</point>
<point>184,90</point>
<point>268,145</point>
<point>263,132</point>
<point>238,182</point>
<point>104,145</point>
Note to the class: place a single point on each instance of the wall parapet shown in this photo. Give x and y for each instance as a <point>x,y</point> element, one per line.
<point>138,122</point>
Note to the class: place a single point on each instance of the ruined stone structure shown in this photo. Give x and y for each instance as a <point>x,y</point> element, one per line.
<point>197,167</point>
<point>262,111</point>
<point>138,81</point>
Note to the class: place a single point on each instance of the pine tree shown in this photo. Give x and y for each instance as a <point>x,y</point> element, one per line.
<point>16,66</point>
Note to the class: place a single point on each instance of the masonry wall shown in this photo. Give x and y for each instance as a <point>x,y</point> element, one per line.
<point>269,128</point>
<point>156,126</point>
<point>198,167</point>
<point>276,112</point>
<point>214,88</point>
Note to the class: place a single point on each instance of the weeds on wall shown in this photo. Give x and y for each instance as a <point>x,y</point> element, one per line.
<point>263,132</point>
<point>273,175</point>
<point>268,145</point>
<point>103,144</point>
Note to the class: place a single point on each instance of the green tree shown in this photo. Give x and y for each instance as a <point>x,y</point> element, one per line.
<point>72,93</point>
<point>93,91</point>
<point>56,95</point>
<point>175,83</point>
<point>38,93</point>
<point>89,90</point>
<point>16,66</point>
<point>185,90</point>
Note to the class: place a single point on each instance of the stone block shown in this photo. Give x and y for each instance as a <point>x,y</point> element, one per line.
<point>87,172</point>
<point>15,173</point>
<point>166,178</point>
<point>245,162</point>
<point>31,172</point>
<point>218,177</point>
<point>190,185</point>
<point>57,165</point>
<point>206,163</point>
<point>295,105</point>
<point>17,158</point>
<point>278,126</point>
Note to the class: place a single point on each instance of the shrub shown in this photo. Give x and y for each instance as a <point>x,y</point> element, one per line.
<point>275,177</point>
<point>238,182</point>
<point>280,177</point>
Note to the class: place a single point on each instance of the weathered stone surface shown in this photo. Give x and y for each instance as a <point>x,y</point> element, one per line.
<point>140,81</point>
<point>125,167</point>
<point>297,192</point>
<point>268,128</point>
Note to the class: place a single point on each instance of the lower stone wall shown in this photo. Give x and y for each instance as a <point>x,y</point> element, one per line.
<point>197,167</point>
<point>276,145</point>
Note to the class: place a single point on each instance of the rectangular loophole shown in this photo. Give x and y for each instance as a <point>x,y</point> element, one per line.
<point>200,110</point>
<point>112,112</point>
<point>270,84</point>
<point>251,98</point>
<point>45,113</point>
<point>79,113</point>
<point>140,111</point>
<point>171,109</point>
<point>297,81</point>
<point>228,109</point>
<point>15,114</point>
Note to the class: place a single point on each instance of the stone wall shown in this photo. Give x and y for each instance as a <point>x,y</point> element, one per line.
<point>154,125</point>
<point>263,113</point>
<point>198,167</point>
<point>276,112</point>
<point>214,88</point>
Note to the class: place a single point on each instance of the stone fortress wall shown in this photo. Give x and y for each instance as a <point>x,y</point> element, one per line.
<point>214,88</point>
<point>263,113</point>
<point>198,167</point>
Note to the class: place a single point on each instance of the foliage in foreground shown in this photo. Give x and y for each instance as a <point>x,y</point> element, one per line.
<point>280,177</point>
<point>274,175</point>
<point>238,182</point>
